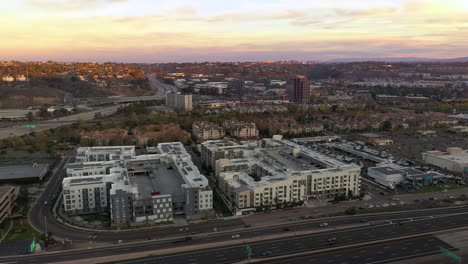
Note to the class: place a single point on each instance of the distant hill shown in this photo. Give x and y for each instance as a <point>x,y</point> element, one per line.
<point>399,59</point>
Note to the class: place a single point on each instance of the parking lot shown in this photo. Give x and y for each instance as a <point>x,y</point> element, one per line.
<point>365,155</point>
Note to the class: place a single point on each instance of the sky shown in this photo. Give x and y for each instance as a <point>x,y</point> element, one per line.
<point>234,30</point>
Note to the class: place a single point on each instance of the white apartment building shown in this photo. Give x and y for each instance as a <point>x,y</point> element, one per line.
<point>135,189</point>
<point>273,171</point>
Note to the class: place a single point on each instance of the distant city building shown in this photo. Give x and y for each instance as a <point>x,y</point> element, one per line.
<point>236,87</point>
<point>8,78</point>
<point>455,159</point>
<point>299,89</point>
<point>135,189</point>
<point>240,129</point>
<point>207,130</point>
<point>179,101</point>
<point>7,200</point>
<point>21,78</point>
<point>291,127</point>
<point>375,139</point>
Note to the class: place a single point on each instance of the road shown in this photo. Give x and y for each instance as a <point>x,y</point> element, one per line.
<point>285,245</point>
<point>361,237</point>
<point>65,232</point>
<point>160,87</point>
<point>381,253</point>
<point>21,129</point>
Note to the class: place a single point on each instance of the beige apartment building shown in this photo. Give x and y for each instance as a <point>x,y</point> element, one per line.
<point>274,171</point>
<point>240,129</point>
<point>7,200</point>
<point>207,130</point>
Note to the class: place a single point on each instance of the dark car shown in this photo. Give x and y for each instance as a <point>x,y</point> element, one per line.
<point>267,253</point>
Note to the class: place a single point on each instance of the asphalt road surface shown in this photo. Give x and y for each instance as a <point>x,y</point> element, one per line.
<point>280,246</point>
<point>21,129</point>
<point>374,254</point>
<point>160,86</point>
<point>304,243</point>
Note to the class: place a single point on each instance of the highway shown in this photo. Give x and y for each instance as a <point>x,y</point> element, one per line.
<point>19,130</point>
<point>160,87</point>
<point>373,254</point>
<point>304,243</point>
<point>284,245</point>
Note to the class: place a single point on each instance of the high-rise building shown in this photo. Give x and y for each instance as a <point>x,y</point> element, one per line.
<point>236,87</point>
<point>299,89</point>
<point>179,101</point>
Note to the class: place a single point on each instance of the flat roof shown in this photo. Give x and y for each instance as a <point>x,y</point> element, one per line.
<point>22,172</point>
<point>386,170</point>
<point>168,181</point>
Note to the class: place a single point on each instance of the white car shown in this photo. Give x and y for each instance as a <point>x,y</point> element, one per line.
<point>324,224</point>
<point>235,236</point>
<point>385,205</point>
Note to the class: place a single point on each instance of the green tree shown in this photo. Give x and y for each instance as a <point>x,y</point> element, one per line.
<point>386,125</point>
<point>351,210</point>
<point>23,196</point>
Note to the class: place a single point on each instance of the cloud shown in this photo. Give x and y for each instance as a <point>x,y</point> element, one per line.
<point>69,5</point>
<point>251,16</point>
<point>378,11</point>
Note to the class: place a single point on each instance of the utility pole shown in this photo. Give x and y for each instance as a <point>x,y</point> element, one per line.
<point>45,223</point>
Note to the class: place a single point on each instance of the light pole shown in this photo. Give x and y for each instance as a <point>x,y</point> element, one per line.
<point>45,223</point>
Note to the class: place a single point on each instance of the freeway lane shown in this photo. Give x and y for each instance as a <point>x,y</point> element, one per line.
<point>161,88</point>
<point>19,130</point>
<point>304,243</point>
<point>375,254</point>
<point>278,246</point>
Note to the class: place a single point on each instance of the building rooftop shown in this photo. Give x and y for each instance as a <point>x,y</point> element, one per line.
<point>281,160</point>
<point>387,170</point>
<point>22,172</point>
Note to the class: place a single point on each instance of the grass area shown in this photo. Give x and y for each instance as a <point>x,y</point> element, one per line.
<point>22,230</point>
<point>96,217</point>
<point>25,210</point>
<point>438,189</point>
<point>4,227</point>
<point>220,206</point>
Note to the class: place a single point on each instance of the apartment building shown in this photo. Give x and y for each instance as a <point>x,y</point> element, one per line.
<point>240,129</point>
<point>213,150</point>
<point>299,90</point>
<point>7,200</point>
<point>274,171</point>
<point>207,130</point>
<point>136,189</point>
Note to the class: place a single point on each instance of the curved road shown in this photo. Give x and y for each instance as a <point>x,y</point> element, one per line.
<point>41,214</point>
